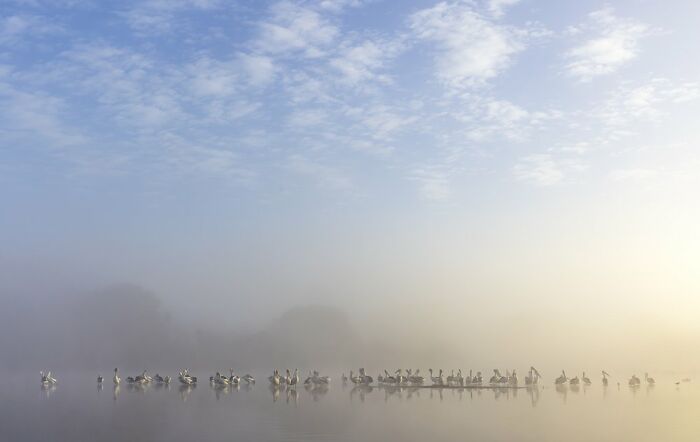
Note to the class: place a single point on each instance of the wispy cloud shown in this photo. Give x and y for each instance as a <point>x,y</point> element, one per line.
<point>159,16</point>
<point>615,43</point>
<point>295,29</point>
<point>471,48</point>
<point>498,7</point>
<point>540,169</point>
<point>20,28</point>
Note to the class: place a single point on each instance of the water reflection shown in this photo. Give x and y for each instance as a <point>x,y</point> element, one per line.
<point>115,391</point>
<point>562,390</point>
<point>317,391</point>
<point>48,389</point>
<point>361,391</point>
<point>186,390</point>
<point>534,392</point>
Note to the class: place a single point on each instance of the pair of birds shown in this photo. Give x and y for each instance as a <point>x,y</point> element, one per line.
<point>400,379</point>
<point>314,378</point>
<point>47,379</point>
<point>288,379</point>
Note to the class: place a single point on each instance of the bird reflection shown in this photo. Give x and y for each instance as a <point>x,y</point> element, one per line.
<point>115,391</point>
<point>48,389</point>
<point>361,390</point>
<point>562,390</point>
<point>220,390</point>
<point>534,392</point>
<point>185,391</point>
<point>317,391</point>
<point>275,390</point>
<point>292,396</point>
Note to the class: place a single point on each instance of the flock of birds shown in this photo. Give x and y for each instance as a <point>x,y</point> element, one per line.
<point>400,377</point>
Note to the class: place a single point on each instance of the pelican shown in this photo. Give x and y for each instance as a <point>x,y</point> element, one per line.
<point>295,378</point>
<point>355,379</point>
<point>537,375</point>
<point>634,381</point>
<point>574,381</point>
<point>437,380</point>
<point>451,378</point>
<point>469,378</point>
<point>496,377</point>
<point>287,377</point>
<point>400,379</point>
<point>459,379</point>
<point>142,378</point>
<point>47,379</point>
<point>416,378</point>
<point>478,379</point>
<point>605,378</point>
<point>234,379</point>
<point>585,380</point>
<point>321,380</point>
<point>161,380</point>
<point>366,379</point>
<point>217,379</point>
<point>275,378</point>
<point>99,379</point>
<point>116,379</point>
<point>649,380</point>
<point>249,378</point>
<point>513,378</point>
<point>561,379</point>
<point>186,379</point>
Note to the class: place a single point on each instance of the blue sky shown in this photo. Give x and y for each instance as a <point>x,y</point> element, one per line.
<point>152,131</point>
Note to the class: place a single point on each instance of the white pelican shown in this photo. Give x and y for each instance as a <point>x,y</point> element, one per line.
<point>649,380</point>
<point>513,378</point>
<point>275,378</point>
<point>249,379</point>
<point>99,379</point>
<point>142,378</point>
<point>437,380</point>
<point>234,379</point>
<point>574,381</point>
<point>468,380</point>
<point>366,379</point>
<point>634,381</point>
<point>355,379</point>
<point>161,380</point>
<point>416,378</point>
<point>47,379</point>
<point>605,378</point>
<point>295,378</point>
<point>116,379</point>
<point>186,379</point>
<point>561,379</point>
<point>451,378</point>
<point>585,380</point>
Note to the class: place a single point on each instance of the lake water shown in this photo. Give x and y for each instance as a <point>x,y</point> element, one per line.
<point>77,410</point>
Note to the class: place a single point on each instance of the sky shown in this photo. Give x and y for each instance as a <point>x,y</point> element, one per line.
<point>530,165</point>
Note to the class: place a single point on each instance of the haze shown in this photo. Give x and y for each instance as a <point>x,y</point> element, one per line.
<point>474,184</point>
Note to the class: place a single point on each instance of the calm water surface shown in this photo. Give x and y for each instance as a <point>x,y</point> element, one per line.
<point>77,410</point>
